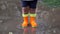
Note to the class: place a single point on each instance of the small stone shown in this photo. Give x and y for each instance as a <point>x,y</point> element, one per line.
<point>1,21</point>
<point>54,31</point>
<point>3,7</point>
<point>10,32</point>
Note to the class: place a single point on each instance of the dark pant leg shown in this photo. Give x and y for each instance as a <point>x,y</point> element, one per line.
<point>25,7</point>
<point>33,6</point>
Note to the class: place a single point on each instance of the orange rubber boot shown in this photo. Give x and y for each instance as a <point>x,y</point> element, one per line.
<point>32,21</point>
<point>25,23</point>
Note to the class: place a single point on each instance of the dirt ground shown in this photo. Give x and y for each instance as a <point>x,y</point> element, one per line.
<point>48,19</point>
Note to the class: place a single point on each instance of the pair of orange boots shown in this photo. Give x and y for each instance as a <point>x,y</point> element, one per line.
<point>32,22</point>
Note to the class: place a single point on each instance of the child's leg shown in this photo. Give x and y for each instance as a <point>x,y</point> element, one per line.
<point>25,13</point>
<point>33,14</point>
